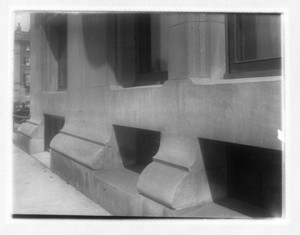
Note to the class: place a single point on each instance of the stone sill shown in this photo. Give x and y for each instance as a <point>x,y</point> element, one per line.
<point>118,88</point>
<point>53,92</point>
<point>208,81</point>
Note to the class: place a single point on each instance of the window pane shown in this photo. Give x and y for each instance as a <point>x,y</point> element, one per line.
<point>258,37</point>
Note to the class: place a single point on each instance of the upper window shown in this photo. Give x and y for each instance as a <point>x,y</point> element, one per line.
<point>148,49</point>
<point>254,45</point>
<point>141,41</point>
<point>56,32</point>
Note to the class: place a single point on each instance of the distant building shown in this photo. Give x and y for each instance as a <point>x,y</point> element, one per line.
<point>22,65</point>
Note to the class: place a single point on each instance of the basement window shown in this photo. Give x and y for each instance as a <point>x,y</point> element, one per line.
<point>53,124</point>
<point>137,146</point>
<point>244,178</point>
<point>255,177</point>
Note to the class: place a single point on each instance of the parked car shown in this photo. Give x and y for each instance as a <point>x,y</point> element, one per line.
<point>21,112</point>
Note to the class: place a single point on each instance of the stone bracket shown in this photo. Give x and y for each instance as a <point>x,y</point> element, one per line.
<point>30,136</point>
<point>177,177</point>
<point>89,152</point>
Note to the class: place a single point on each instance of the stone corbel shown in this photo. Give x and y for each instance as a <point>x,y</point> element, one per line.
<point>30,135</point>
<point>91,147</point>
<point>177,177</point>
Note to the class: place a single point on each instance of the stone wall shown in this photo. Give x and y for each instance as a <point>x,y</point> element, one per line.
<point>193,103</point>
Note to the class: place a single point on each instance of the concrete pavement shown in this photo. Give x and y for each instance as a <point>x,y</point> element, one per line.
<point>37,190</point>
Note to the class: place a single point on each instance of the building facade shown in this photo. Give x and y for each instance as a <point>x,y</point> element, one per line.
<point>21,65</point>
<point>159,114</point>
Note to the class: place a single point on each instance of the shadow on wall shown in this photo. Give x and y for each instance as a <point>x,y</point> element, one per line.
<point>56,35</point>
<point>137,47</point>
<point>93,38</point>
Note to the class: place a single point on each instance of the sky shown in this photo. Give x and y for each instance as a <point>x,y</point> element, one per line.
<point>24,19</point>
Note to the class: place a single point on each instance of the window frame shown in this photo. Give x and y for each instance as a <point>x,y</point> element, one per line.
<point>264,67</point>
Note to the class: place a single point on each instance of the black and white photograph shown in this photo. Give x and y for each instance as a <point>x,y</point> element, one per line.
<point>149,115</point>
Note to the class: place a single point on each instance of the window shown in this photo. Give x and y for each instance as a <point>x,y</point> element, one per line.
<point>143,43</point>
<point>137,146</point>
<point>27,90</point>
<point>254,176</point>
<point>254,45</point>
<point>27,61</point>
<point>53,124</point>
<point>149,68</point>
<point>26,79</point>
<point>142,55</point>
<point>56,32</point>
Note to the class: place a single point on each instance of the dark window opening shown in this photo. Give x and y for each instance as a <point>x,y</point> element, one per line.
<point>141,49</point>
<point>255,176</point>
<point>143,43</point>
<point>254,45</point>
<point>148,72</point>
<point>53,124</point>
<point>244,178</point>
<point>56,32</point>
<point>137,146</point>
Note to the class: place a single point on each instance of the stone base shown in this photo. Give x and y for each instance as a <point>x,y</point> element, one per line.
<point>150,208</point>
<point>29,145</point>
<point>30,136</point>
<point>115,190</point>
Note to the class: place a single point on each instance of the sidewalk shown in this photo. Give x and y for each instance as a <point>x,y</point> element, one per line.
<point>38,191</point>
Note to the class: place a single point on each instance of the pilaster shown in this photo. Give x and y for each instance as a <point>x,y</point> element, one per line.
<point>198,48</point>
